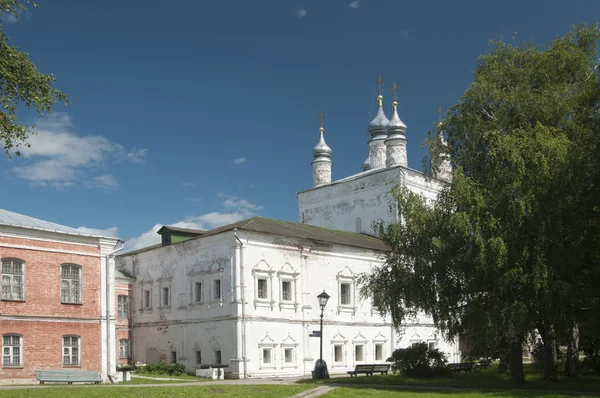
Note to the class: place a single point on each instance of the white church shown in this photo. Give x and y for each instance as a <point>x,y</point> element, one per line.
<point>245,295</point>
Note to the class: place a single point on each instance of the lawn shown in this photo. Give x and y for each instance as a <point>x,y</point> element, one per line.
<point>250,391</point>
<point>489,378</point>
<point>382,393</point>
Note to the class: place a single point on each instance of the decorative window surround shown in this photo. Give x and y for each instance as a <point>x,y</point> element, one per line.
<point>197,289</point>
<point>165,294</point>
<point>262,270</point>
<point>12,279</point>
<point>359,341</point>
<point>287,274</point>
<point>146,296</point>
<point>347,277</point>
<point>339,340</point>
<point>289,344</point>
<point>380,340</point>
<point>267,343</point>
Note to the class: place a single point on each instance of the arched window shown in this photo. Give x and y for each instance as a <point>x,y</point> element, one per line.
<point>71,350</point>
<point>70,284</point>
<point>12,350</point>
<point>13,279</point>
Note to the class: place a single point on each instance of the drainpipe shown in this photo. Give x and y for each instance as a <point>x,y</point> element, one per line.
<point>108,301</point>
<point>242,288</point>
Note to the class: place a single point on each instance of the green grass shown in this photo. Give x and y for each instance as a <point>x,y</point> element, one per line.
<point>181,377</point>
<point>383,393</point>
<point>486,379</point>
<point>224,391</point>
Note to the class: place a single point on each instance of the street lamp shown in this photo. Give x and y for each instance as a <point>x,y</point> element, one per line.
<point>321,366</point>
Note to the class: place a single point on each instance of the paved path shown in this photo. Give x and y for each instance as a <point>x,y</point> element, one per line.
<point>315,392</point>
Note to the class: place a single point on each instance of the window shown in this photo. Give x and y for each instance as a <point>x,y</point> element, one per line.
<point>266,355</point>
<point>123,304</point>
<point>217,289</point>
<point>286,291</point>
<point>263,293</point>
<point>358,353</point>
<point>379,352</point>
<point>12,279</point>
<point>198,357</point>
<point>337,353</point>
<point>12,349</point>
<point>123,348</point>
<point>288,355</point>
<point>217,357</point>
<point>431,345</point>
<point>173,357</point>
<point>166,296</point>
<point>147,299</point>
<point>70,284</point>
<point>71,350</point>
<point>198,292</point>
<point>345,295</point>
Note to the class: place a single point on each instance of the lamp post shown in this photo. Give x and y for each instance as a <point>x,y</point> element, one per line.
<point>321,366</point>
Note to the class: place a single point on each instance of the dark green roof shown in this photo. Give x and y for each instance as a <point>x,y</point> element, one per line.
<point>303,231</point>
<point>187,231</point>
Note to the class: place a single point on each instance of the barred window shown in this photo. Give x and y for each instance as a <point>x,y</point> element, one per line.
<point>13,279</point>
<point>198,357</point>
<point>217,289</point>
<point>12,349</point>
<point>345,295</point>
<point>286,291</point>
<point>217,357</point>
<point>124,348</point>
<point>71,350</point>
<point>262,289</point>
<point>198,292</point>
<point>166,296</point>
<point>70,284</point>
<point>123,302</point>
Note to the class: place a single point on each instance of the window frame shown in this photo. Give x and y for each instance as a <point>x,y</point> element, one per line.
<point>145,290</point>
<point>198,357</point>
<point>198,299</point>
<point>11,347</point>
<point>266,288</point>
<point>164,296</point>
<point>213,292</point>
<point>346,277</point>
<point>375,346</point>
<point>263,271</point>
<point>70,349</point>
<point>123,308</point>
<point>127,354</point>
<point>12,276</point>
<point>288,274</point>
<point>219,357</point>
<point>69,281</point>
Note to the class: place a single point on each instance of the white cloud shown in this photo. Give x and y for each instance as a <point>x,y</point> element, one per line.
<point>354,4</point>
<point>108,232</point>
<point>235,209</point>
<point>11,18</point>
<point>105,181</point>
<point>301,13</point>
<point>188,184</point>
<point>240,160</point>
<point>59,157</point>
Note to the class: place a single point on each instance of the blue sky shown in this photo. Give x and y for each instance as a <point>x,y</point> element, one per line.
<point>202,113</point>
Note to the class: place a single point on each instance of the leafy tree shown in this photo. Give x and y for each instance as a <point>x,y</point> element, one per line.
<point>419,361</point>
<point>21,84</point>
<point>509,244</point>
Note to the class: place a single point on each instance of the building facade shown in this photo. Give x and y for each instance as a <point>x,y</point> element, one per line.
<point>57,295</point>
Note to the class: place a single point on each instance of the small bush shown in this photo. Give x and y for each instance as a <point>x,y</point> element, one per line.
<point>175,369</point>
<point>419,361</point>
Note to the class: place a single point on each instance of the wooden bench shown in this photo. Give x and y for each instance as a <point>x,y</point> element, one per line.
<point>67,376</point>
<point>370,369</point>
<point>459,367</point>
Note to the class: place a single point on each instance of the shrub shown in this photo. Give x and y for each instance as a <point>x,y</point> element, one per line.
<point>175,369</point>
<point>419,361</point>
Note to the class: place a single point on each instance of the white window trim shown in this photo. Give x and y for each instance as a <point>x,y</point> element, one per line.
<point>78,364</point>
<point>80,284</point>
<point>343,344</point>
<point>351,308</point>
<point>128,312</point>
<point>380,340</point>
<point>146,286</point>
<point>162,285</point>
<point>362,343</point>
<point>271,347</point>
<point>128,345</point>
<point>294,348</point>
<point>11,348</point>
<point>292,277</point>
<point>193,298</point>
<point>23,280</point>
<point>268,275</point>
<point>213,299</point>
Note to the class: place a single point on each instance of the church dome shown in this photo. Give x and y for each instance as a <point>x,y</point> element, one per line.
<point>395,125</point>
<point>381,121</point>
<point>321,149</point>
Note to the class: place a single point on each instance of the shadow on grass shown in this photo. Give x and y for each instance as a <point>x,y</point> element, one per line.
<point>383,392</point>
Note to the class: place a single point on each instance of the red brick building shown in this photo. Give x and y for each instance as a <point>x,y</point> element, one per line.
<point>59,302</point>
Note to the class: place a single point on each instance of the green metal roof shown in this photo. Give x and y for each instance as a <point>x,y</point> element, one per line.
<point>303,231</point>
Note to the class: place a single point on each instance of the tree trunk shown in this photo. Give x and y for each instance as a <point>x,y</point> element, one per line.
<point>572,360</point>
<point>550,358</point>
<point>516,360</point>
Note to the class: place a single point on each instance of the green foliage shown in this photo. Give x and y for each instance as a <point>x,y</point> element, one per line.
<point>513,241</point>
<point>21,84</point>
<point>175,369</point>
<point>419,361</point>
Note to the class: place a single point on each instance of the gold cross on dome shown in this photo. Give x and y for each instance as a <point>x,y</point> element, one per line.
<point>394,88</point>
<point>320,116</point>
<point>379,84</point>
<point>439,112</point>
